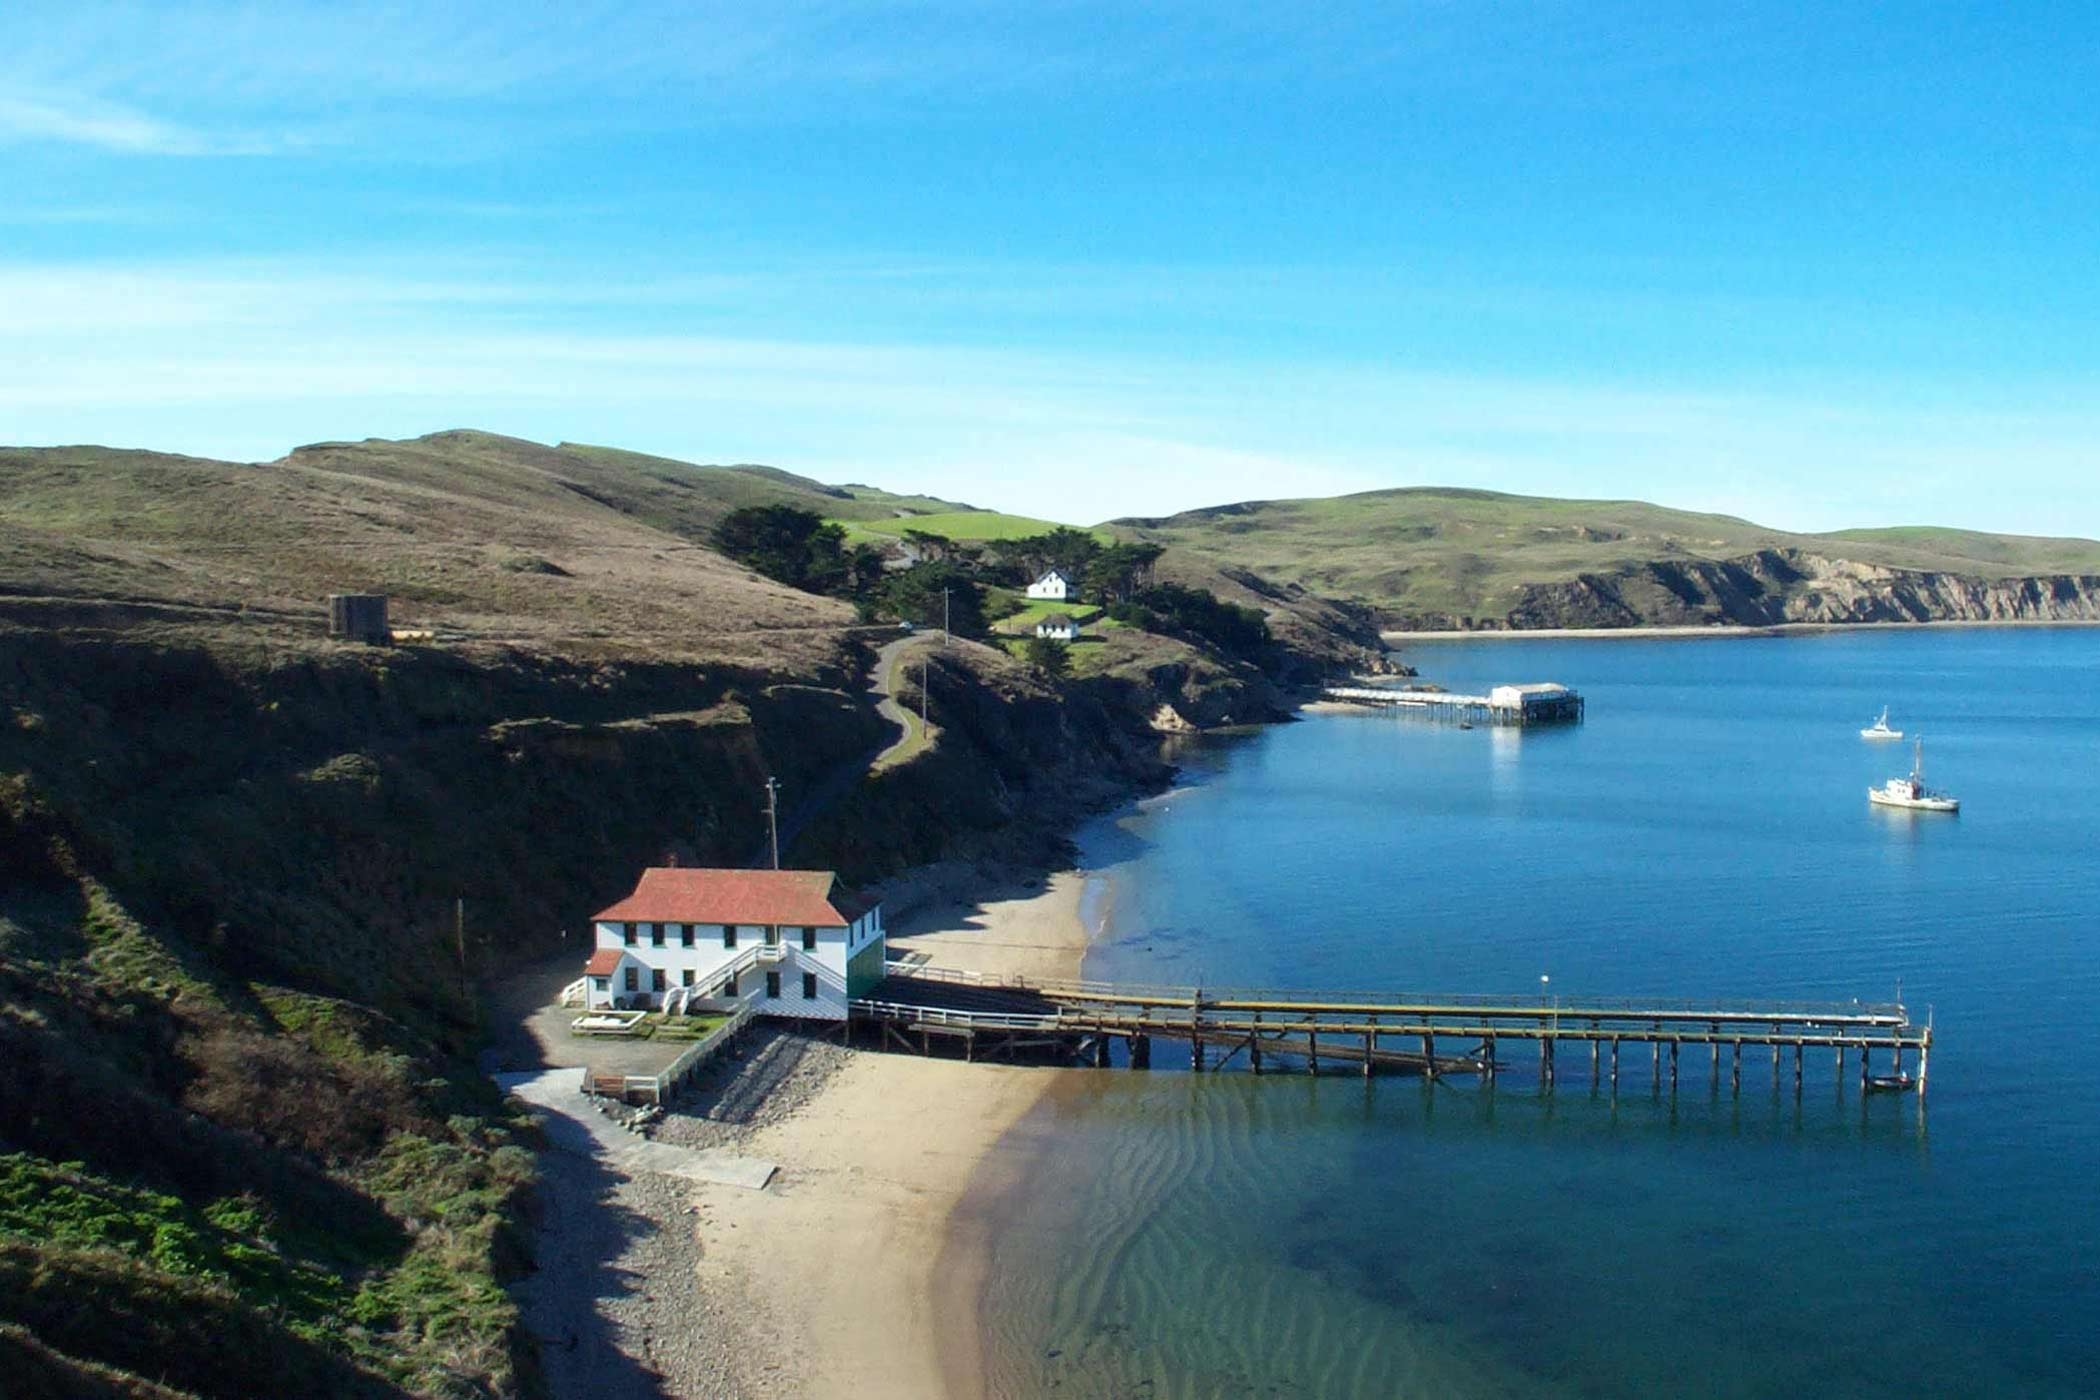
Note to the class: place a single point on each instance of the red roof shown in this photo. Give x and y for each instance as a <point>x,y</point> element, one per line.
<point>676,894</point>
<point>603,963</point>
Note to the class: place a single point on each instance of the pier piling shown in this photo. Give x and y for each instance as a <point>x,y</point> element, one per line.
<point>970,1012</point>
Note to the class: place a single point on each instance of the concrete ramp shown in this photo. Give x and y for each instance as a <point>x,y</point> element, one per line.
<point>573,1125</point>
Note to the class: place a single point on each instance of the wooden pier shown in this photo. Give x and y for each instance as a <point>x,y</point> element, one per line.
<point>1517,706</point>
<point>916,1006</point>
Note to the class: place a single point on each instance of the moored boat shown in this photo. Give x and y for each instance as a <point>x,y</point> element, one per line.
<point>1879,729</point>
<point>1911,792</point>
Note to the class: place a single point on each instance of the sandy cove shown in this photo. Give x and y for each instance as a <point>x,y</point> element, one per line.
<point>829,1275</point>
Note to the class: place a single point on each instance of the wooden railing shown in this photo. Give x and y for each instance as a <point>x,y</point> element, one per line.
<point>1566,1009</point>
<point>660,1087</point>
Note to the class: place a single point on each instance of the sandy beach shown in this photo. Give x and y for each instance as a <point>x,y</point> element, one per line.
<point>833,1281</point>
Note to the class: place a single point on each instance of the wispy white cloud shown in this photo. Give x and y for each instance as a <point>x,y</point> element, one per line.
<point>223,76</point>
<point>116,128</point>
<point>53,215</point>
<point>247,359</point>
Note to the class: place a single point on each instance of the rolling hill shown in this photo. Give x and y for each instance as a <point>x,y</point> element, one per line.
<point>1434,557</point>
<point>588,550</point>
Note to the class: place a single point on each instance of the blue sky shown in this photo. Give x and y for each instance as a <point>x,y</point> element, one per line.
<point>1821,266</point>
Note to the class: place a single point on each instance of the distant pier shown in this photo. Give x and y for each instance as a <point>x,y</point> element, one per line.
<point>1517,706</point>
<point>983,1015</point>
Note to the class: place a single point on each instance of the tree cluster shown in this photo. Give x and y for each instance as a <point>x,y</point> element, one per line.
<point>1197,615</point>
<point>1104,574</point>
<point>947,579</point>
<point>798,548</point>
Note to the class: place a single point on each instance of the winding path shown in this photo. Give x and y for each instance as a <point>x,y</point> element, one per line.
<point>889,657</point>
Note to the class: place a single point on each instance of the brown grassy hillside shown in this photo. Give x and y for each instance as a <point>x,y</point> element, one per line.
<point>1440,557</point>
<point>489,538</point>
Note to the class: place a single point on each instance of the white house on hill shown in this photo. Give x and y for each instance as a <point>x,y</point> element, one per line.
<point>1058,627</point>
<point>792,942</point>
<point>1053,585</point>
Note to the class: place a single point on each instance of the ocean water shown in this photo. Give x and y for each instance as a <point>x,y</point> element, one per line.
<point>1705,832</point>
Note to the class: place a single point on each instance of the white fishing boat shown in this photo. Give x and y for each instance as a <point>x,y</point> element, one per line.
<point>1911,792</point>
<point>1879,729</point>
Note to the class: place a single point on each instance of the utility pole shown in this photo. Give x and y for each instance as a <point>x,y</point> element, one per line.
<point>945,590</point>
<point>459,938</point>
<point>773,817</point>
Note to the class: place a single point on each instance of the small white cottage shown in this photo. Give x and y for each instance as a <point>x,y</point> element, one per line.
<point>1058,627</point>
<point>1053,586</point>
<point>792,942</point>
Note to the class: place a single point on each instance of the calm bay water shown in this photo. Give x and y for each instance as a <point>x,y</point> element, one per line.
<point>1705,833</point>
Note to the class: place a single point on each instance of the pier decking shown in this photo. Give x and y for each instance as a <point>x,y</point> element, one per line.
<point>1436,1036</point>
<point>1513,705</point>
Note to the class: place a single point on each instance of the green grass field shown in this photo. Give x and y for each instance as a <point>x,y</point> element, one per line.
<point>1035,610</point>
<point>956,525</point>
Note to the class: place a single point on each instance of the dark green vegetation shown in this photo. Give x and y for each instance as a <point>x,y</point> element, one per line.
<point>933,573</point>
<point>1197,615</point>
<point>798,548</point>
<point>245,1148</point>
<point>1446,558</point>
<point>1049,656</point>
<point>228,1186</point>
<point>947,582</point>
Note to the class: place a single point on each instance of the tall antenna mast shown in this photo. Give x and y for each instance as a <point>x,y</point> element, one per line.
<point>773,817</point>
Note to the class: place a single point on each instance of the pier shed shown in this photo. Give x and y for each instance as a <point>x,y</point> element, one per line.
<point>1544,702</point>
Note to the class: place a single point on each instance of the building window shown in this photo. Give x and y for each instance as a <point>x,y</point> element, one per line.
<point>603,984</point>
<point>627,932</point>
<point>809,986</point>
<point>729,989</point>
<point>809,939</point>
<point>773,985</point>
<point>657,981</point>
<point>656,935</point>
<point>634,979</point>
<point>686,978</point>
<point>729,935</point>
<point>685,934</point>
<point>772,935</point>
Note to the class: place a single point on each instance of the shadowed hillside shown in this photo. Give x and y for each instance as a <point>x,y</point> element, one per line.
<point>249,875</point>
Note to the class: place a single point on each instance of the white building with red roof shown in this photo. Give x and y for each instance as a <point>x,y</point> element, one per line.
<point>791,942</point>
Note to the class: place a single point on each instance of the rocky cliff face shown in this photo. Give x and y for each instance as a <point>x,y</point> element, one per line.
<point>1772,587</point>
